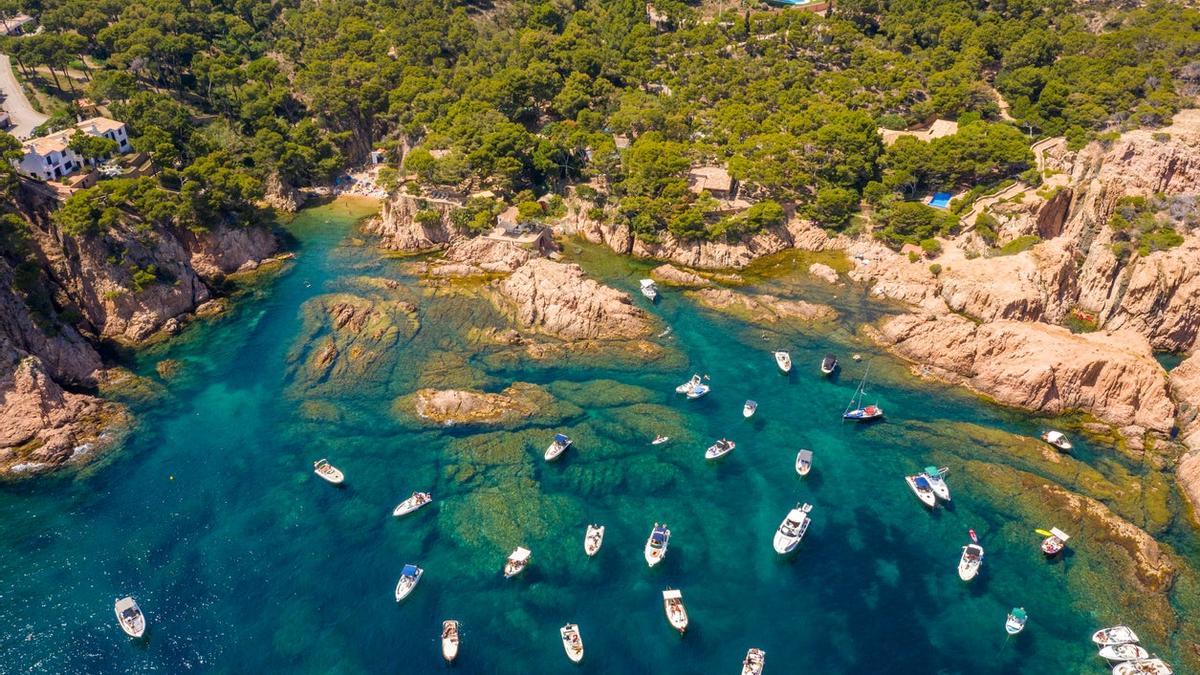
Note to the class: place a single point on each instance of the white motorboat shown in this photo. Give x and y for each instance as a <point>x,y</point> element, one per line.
<point>660,439</point>
<point>719,449</point>
<point>1117,635</point>
<point>921,488</point>
<point>557,447</point>
<point>1124,652</point>
<point>792,529</point>
<point>829,364</point>
<point>409,577</point>
<point>970,562</point>
<point>572,642</point>
<point>1015,623</point>
<point>416,501</point>
<point>804,462</point>
<point>1154,666</point>
<point>130,616</point>
<point>656,545</point>
<point>516,563</point>
<point>687,386</point>
<point>784,361</point>
<point>327,471</point>
<point>749,408</point>
<point>649,289</point>
<point>449,640</point>
<point>698,391</point>
<point>1057,439</point>
<point>937,481</point>
<point>1055,541</point>
<point>676,613</point>
<point>593,539</point>
<point>754,662</point>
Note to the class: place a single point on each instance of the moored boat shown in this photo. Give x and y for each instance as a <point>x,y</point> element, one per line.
<point>1015,623</point>
<point>557,447</point>
<point>449,640</point>
<point>416,501</point>
<point>656,545</point>
<point>754,662</point>
<point>659,439</point>
<point>1117,635</point>
<point>937,481</point>
<point>829,364</point>
<point>719,449</point>
<point>970,562</point>
<point>572,642</point>
<point>920,487</point>
<point>593,539</point>
<point>1127,651</point>
<point>749,408</point>
<point>697,391</point>
<point>804,460</point>
<point>784,361</point>
<point>1055,541</point>
<point>649,289</point>
<point>792,529</point>
<point>855,410</point>
<point>1155,666</point>
<point>676,613</point>
<point>328,472</point>
<point>409,577</point>
<point>130,616</point>
<point>517,561</point>
<point>1057,439</point>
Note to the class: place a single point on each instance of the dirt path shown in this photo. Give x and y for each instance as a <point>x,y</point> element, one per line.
<point>24,118</point>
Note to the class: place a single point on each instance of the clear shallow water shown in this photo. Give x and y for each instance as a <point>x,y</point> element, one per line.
<point>244,561</point>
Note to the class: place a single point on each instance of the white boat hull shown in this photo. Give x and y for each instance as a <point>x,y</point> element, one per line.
<point>1143,667</point>
<point>715,452</point>
<point>1117,635</point>
<point>748,411</point>
<point>968,569</point>
<point>784,361</point>
<point>135,625</point>
<point>754,662</point>
<point>409,505</point>
<point>784,545</point>
<point>405,586</point>
<point>926,496</point>
<point>1124,652</point>
<point>803,463</point>
<point>450,640</point>
<point>593,540</point>
<point>675,611</point>
<point>572,642</point>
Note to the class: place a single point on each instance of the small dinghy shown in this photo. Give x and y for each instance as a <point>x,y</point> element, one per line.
<point>416,501</point>
<point>516,563</point>
<point>1057,439</point>
<point>130,616</point>
<point>719,449</point>
<point>792,529</point>
<point>449,640</point>
<point>676,613</point>
<point>593,539</point>
<point>409,577</point>
<point>970,562</point>
<point>1143,667</point>
<point>558,447</point>
<point>660,439</point>
<point>698,391</point>
<point>749,408</point>
<point>754,662</point>
<point>656,545</point>
<point>1124,652</point>
<point>1117,635</point>
<point>921,488</point>
<point>784,361</point>
<point>1016,621</point>
<point>937,481</point>
<point>804,462</point>
<point>828,364</point>
<point>327,471</point>
<point>572,642</point>
<point>649,289</point>
<point>687,386</point>
<point>1055,541</point>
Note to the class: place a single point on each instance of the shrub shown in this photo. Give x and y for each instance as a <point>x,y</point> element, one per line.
<point>428,218</point>
<point>143,277</point>
<point>1161,136</point>
<point>935,269</point>
<point>985,227</point>
<point>931,246</point>
<point>1019,244</point>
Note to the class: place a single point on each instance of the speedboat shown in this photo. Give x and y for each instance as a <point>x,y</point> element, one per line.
<point>937,481</point>
<point>1117,635</point>
<point>572,642</point>
<point>558,447</point>
<point>719,449</point>
<point>921,488</point>
<point>416,501</point>
<point>517,560</point>
<point>1124,652</point>
<point>687,386</point>
<point>676,614</point>
<point>749,408</point>
<point>804,462</point>
<point>130,616</point>
<point>593,539</point>
<point>656,545</point>
<point>1143,667</point>
<point>1057,439</point>
<point>828,364</point>
<point>1055,541</point>
<point>659,439</point>
<point>649,289</point>
<point>792,529</point>
<point>698,390</point>
<point>449,640</point>
<point>1016,621</point>
<point>971,561</point>
<point>754,661</point>
<point>784,361</point>
<point>409,576</point>
<point>327,471</point>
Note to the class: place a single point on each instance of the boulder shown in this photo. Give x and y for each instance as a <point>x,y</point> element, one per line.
<point>823,272</point>
<point>559,300</point>
<point>673,276</point>
<point>453,406</point>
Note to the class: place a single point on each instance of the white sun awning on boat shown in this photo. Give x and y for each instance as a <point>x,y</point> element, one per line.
<point>671,594</point>
<point>519,555</point>
<point>1054,436</point>
<point>1062,536</point>
<point>646,283</point>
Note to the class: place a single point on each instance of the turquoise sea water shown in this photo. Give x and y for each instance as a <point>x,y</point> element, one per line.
<point>244,561</point>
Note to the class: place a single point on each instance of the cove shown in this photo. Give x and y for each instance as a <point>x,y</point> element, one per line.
<point>244,561</point>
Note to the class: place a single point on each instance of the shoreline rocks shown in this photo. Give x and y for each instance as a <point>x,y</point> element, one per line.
<point>761,307</point>
<point>453,406</point>
<point>673,276</point>
<point>559,300</point>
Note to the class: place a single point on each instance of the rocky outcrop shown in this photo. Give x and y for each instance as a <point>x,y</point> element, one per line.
<point>480,255</point>
<point>1036,366</point>
<point>224,250</point>
<point>399,229</point>
<point>1027,287</point>
<point>761,307</point>
<point>282,195</point>
<point>559,300</point>
<point>723,253</point>
<point>615,236</point>
<point>65,354</point>
<point>1185,386</point>
<point>673,276</point>
<point>452,406</point>
<point>823,272</point>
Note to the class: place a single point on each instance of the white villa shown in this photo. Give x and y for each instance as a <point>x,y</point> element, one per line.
<point>49,158</point>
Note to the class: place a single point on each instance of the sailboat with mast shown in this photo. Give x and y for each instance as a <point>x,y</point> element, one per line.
<point>855,410</point>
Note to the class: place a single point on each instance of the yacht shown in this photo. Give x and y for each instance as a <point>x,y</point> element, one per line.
<point>656,545</point>
<point>676,613</point>
<point>593,539</point>
<point>719,449</point>
<point>449,640</point>
<point>855,410</point>
<point>754,661</point>
<point>804,460</point>
<point>416,501</point>
<point>921,488</point>
<point>130,616</point>
<point>687,386</point>
<point>558,447</point>
<point>792,529</point>
<point>970,562</point>
<point>649,289</point>
<point>937,481</point>
<point>328,472</point>
<point>572,642</point>
<point>1116,635</point>
<point>409,577</point>
<point>784,361</point>
<point>516,563</point>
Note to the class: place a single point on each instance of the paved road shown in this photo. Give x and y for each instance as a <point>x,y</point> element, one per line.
<point>24,117</point>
